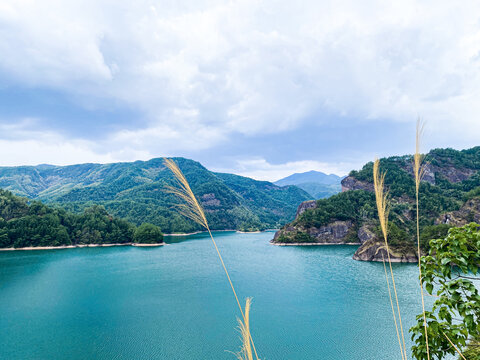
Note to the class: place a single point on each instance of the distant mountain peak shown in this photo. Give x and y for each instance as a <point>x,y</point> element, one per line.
<point>316,183</point>
<point>309,176</point>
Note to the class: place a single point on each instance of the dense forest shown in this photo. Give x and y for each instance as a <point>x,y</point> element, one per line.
<point>451,179</point>
<point>135,192</point>
<point>25,223</point>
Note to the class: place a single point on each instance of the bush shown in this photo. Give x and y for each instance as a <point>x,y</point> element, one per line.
<point>148,234</point>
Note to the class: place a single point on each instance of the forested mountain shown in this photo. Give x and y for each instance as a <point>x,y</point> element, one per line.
<point>449,195</point>
<point>317,184</point>
<point>135,191</point>
<point>25,223</point>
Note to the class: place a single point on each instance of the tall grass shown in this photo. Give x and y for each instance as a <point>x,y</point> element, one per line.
<point>419,172</point>
<point>383,208</point>
<point>419,167</point>
<point>192,209</point>
<point>244,326</point>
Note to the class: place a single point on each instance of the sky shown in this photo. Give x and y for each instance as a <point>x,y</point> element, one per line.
<point>257,88</point>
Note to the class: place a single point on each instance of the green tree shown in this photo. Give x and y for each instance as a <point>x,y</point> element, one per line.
<point>148,234</point>
<point>449,270</point>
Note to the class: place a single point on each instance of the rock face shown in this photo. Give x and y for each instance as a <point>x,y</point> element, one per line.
<point>351,183</point>
<point>334,233</point>
<point>209,200</point>
<point>375,250</point>
<point>469,212</point>
<point>453,174</point>
<point>365,234</point>
<point>449,172</point>
<point>428,175</point>
<point>337,232</point>
<point>309,204</point>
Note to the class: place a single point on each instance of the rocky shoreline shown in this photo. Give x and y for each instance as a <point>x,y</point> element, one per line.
<point>367,251</point>
<point>370,247</point>
<point>310,244</point>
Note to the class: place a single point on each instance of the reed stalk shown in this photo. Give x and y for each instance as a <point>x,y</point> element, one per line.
<point>192,209</point>
<point>391,304</point>
<point>383,210</point>
<point>246,349</point>
<point>419,172</point>
<point>456,349</point>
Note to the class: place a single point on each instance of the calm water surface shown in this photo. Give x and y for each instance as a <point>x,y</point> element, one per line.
<point>174,302</point>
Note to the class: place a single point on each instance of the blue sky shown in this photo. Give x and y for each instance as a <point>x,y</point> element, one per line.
<point>258,88</point>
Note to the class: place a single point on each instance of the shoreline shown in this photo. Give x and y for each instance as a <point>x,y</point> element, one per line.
<point>311,244</point>
<point>61,247</point>
<point>214,231</point>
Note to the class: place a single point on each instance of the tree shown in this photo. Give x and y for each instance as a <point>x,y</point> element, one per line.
<point>449,270</point>
<point>148,234</point>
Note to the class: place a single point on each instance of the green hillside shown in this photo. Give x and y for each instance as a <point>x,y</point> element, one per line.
<point>135,191</point>
<point>449,196</point>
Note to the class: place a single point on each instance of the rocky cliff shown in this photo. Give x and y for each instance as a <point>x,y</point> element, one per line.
<point>449,194</point>
<point>351,183</point>
<point>337,232</point>
<point>469,212</point>
<point>375,250</point>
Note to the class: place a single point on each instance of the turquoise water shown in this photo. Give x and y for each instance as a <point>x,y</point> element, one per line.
<point>174,302</point>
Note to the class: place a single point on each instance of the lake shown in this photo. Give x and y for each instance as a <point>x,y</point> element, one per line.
<point>174,302</point>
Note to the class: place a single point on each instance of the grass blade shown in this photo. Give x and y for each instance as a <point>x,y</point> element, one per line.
<point>192,209</point>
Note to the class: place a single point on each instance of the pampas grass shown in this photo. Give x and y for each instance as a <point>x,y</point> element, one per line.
<point>192,209</point>
<point>244,327</point>
<point>383,208</point>
<point>419,167</point>
<point>419,172</point>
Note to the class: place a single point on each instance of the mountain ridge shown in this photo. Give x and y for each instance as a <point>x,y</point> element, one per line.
<point>134,191</point>
<point>316,183</point>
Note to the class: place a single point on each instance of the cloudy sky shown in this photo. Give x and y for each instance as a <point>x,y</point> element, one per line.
<point>259,88</point>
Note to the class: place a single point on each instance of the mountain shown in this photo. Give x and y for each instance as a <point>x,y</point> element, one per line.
<point>449,196</point>
<point>135,191</point>
<point>316,183</point>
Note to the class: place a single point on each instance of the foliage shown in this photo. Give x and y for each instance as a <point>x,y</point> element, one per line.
<point>30,224</point>
<point>433,232</point>
<point>350,205</point>
<point>148,234</point>
<point>448,271</point>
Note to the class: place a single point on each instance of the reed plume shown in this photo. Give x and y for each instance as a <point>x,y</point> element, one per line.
<point>419,172</point>
<point>246,349</point>
<point>192,209</point>
<point>383,209</point>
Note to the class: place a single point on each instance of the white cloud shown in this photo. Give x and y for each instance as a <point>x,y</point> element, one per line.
<point>250,66</point>
<point>261,169</point>
<point>203,71</point>
<point>23,143</point>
